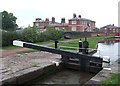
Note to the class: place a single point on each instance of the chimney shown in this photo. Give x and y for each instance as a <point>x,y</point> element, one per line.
<point>53,20</point>
<point>38,19</point>
<point>63,20</point>
<point>79,16</point>
<point>47,20</point>
<point>74,15</point>
<point>113,24</point>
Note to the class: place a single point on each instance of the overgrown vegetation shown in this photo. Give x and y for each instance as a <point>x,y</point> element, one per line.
<point>8,37</point>
<point>30,34</point>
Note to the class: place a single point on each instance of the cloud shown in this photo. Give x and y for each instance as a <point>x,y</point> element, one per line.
<point>102,11</point>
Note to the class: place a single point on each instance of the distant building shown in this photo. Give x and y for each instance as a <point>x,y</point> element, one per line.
<point>74,24</point>
<point>110,29</point>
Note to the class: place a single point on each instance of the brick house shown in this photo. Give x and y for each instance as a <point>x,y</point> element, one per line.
<point>74,24</point>
<point>110,29</point>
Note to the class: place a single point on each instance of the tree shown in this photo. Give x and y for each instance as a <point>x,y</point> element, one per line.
<point>8,21</point>
<point>52,34</point>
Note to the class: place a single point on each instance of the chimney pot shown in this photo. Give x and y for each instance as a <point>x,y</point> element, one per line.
<point>38,19</point>
<point>47,20</point>
<point>74,15</point>
<point>63,20</point>
<point>79,16</point>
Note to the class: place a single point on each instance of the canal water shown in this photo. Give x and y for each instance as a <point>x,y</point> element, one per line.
<point>65,76</point>
<point>106,47</point>
<point>109,47</point>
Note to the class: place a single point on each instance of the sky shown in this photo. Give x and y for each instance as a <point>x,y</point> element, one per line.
<point>104,12</point>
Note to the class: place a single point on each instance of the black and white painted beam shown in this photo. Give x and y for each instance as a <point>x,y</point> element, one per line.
<point>52,50</point>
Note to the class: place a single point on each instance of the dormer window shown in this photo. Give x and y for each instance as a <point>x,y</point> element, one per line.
<point>73,22</point>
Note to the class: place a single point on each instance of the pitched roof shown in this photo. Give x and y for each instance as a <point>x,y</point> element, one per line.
<point>77,18</point>
<point>57,24</point>
<point>110,26</point>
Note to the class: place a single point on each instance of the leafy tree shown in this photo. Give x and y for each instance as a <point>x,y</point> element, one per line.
<point>8,21</point>
<point>52,34</point>
<point>30,34</point>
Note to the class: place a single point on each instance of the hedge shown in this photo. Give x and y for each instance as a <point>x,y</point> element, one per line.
<point>30,34</point>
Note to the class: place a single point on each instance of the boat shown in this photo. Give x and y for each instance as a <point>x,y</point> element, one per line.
<point>117,35</point>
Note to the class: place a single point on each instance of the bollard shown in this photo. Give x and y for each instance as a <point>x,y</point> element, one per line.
<point>56,43</point>
<point>80,46</point>
<point>85,46</point>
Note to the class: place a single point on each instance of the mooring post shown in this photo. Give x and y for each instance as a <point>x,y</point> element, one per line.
<point>80,46</point>
<point>56,43</point>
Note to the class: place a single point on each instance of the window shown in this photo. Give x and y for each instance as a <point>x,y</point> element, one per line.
<point>73,22</point>
<point>57,28</point>
<point>84,22</point>
<point>73,28</point>
<point>37,24</point>
<point>105,28</point>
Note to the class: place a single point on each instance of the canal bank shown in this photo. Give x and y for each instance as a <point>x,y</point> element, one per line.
<point>20,68</point>
<point>35,66</point>
<point>109,47</point>
<point>105,74</point>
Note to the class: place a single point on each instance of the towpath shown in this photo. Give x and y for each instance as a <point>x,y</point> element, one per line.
<point>4,53</point>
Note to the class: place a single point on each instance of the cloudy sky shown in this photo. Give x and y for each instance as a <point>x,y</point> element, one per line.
<point>104,12</point>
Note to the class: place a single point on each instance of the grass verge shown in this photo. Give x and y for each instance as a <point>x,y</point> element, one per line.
<point>92,43</point>
<point>111,81</point>
<point>27,51</point>
<point>40,43</point>
<point>10,47</point>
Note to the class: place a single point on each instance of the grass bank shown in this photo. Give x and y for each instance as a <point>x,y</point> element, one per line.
<point>113,81</point>
<point>40,43</point>
<point>92,43</point>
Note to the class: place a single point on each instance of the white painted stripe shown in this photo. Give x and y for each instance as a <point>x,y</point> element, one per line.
<point>18,43</point>
<point>107,68</point>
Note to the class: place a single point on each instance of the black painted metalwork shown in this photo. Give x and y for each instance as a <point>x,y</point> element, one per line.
<point>80,46</point>
<point>56,43</point>
<point>85,46</point>
<point>83,59</point>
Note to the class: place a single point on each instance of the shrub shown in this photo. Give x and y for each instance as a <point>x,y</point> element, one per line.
<point>30,34</point>
<point>52,34</point>
<point>8,37</point>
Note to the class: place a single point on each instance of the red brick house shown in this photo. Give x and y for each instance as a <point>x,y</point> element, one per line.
<point>110,29</point>
<point>74,24</point>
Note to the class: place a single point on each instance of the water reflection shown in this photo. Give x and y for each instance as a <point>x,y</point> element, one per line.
<point>109,47</point>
